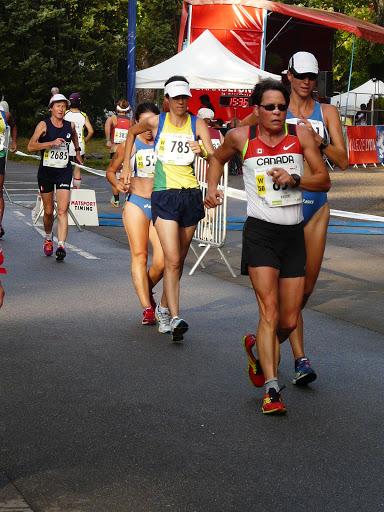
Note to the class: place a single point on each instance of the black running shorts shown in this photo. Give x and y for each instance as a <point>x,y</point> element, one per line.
<point>2,165</point>
<point>273,245</point>
<point>46,187</point>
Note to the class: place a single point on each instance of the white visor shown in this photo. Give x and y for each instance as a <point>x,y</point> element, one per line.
<point>119,109</point>
<point>174,89</point>
<point>58,97</point>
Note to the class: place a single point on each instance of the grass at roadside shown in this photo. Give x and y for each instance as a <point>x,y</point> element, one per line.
<point>96,146</point>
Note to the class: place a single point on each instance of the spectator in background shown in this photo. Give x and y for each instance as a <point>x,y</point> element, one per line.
<point>206,114</point>
<point>219,125</point>
<point>3,104</point>
<point>54,90</point>
<point>361,116</point>
<point>206,102</point>
<point>116,130</point>
<point>6,119</point>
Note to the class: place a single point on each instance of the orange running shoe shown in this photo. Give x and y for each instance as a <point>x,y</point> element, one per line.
<point>255,371</point>
<point>48,247</point>
<point>272,403</point>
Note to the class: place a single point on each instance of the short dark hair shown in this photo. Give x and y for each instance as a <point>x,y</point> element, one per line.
<point>219,121</point>
<point>175,78</point>
<point>146,107</point>
<point>204,98</point>
<point>269,84</point>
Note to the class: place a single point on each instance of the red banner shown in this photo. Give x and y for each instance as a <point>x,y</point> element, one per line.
<point>362,145</point>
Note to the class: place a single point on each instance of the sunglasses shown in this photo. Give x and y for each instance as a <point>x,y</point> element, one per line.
<point>270,107</point>
<point>302,76</point>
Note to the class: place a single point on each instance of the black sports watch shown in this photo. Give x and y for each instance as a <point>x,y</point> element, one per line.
<point>77,149</point>
<point>297,179</point>
<point>324,144</point>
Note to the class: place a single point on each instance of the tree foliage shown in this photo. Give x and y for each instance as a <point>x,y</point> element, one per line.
<point>71,44</point>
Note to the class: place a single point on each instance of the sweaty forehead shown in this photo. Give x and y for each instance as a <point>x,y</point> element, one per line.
<point>274,97</point>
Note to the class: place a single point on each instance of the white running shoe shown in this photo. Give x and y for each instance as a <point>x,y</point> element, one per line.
<point>164,319</point>
<point>178,328</point>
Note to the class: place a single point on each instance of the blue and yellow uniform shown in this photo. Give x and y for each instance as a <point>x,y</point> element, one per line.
<point>176,194</point>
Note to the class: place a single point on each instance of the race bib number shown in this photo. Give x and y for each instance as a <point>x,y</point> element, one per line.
<point>275,195</point>
<point>2,141</point>
<point>120,135</point>
<point>58,156</point>
<point>318,126</point>
<point>216,143</point>
<point>173,149</point>
<point>145,163</point>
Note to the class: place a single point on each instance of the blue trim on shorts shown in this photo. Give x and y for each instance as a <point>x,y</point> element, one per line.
<point>142,202</point>
<point>312,202</point>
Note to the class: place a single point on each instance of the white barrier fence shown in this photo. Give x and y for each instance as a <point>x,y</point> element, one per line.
<point>211,231</point>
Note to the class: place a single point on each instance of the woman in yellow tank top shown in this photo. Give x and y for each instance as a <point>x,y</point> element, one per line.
<point>176,200</point>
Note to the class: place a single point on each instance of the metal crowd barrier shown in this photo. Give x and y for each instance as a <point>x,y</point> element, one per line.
<point>211,231</point>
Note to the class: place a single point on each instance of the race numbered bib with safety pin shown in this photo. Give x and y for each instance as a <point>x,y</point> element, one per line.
<point>318,126</point>
<point>145,162</point>
<point>277,195</point>
<point>120,135</point>
<point>57,156</point>
<point>173,149</point>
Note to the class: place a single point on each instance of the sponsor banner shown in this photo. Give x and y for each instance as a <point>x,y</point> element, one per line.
<point>362,145</point>
<point>84,208</point>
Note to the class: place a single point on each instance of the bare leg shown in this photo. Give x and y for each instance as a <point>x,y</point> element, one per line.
<point>265,284</point>
<point>315,233</point>
<point>137,227</point>
<point>1,198</point>
<point>62,200</point>
<point>156,270</point>
<point>175,242</point>
<point>48,218</point>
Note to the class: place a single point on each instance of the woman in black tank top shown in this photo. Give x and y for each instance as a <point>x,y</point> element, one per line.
<point>52,138</point>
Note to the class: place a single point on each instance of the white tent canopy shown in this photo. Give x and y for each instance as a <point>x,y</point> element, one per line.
<point>361,94</point>
<point>206,64</point>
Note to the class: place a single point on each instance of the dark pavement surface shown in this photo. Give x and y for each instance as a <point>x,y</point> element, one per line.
<point>102,414</point>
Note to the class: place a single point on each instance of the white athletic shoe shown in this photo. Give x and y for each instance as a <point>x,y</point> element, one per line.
<point>164,319</point>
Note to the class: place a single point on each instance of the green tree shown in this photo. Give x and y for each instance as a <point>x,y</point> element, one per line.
<point>71,44</point>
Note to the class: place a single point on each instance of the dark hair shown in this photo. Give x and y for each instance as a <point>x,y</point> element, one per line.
<point>220,121</point>
<point>269,84</point>
<point>204,98</point>
<point>146,107</point>
<point>175,78</point>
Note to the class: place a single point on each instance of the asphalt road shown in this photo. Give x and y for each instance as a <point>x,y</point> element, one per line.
<point>102,414</point>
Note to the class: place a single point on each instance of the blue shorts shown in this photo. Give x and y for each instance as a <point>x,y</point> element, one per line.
<point>185,206</point>
<point>312,202</point>
<point>143,203</point>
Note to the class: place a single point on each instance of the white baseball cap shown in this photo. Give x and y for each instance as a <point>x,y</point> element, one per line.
<point>206,113</point>
<point>177,88</point>
<point>57,97</point>
<point>303,62</point>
